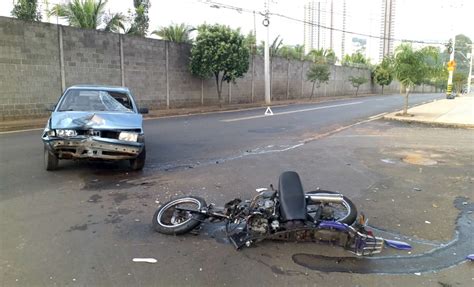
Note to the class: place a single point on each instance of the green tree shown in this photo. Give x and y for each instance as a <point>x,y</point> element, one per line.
<point>139,18</point>
<point>88,14</point>
<point>26,10</point>
<point>221,52</point>
<point>383,72</point>
<point>356,82</point>
<point>461,49</point>
<point>251,42</point>
<point>175,33</point>
<point>459,80</point>
<point>292,52</point>
<point>318,73</point>
<point>356,60</point>
<point>409,69</point>
<point>322,56</point>
<point>115,22</point>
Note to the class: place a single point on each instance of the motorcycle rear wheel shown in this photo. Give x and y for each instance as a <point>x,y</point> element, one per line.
<point>347,211</point>
<point>171,221</point>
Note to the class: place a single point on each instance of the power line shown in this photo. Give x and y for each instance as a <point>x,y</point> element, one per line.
<point>357,33</point>
<point>214,4</point>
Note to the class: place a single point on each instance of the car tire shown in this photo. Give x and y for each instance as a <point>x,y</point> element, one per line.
<point>139,162</point>
<point>51,162</point>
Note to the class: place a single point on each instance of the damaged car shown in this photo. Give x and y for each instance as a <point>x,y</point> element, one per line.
<point>95,123</point>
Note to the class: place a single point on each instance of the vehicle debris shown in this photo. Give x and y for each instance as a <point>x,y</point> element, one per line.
<point>145,260</point>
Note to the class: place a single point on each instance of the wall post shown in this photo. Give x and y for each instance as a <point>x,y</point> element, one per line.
<point>167,75</point>
<point>61,58</point>
<point>122,69</point>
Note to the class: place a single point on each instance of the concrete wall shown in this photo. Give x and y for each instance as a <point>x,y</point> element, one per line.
<point>38,60</point>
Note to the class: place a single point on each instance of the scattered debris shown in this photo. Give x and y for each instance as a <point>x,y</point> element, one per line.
<point>417,189</point>
<point>146,260</point>
<point>388,160</point>
<point>137,220</point>
<point>470,257</point>
<point>261,189</point>
<point>435,205</point>
<point>427,222</point>
<point>464,203</point>
<point>417,273</point>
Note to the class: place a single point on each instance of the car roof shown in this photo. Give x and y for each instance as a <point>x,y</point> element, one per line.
<point>100,87</point>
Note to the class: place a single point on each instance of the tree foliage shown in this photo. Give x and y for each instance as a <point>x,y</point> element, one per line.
<point>179,33</point>
<point>318,73</point>
<point>322,56</point>
<point>356,59</point>
<point>383,72</point>
<point>356,82</point>
<point>26,10</point>
<point>292,52</point>
<point>221,52</point>
<point>139,18</point>
<point>88,14</point>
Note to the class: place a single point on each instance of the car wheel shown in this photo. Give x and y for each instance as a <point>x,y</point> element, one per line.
<point>50,160</point>
<point>139,162</point>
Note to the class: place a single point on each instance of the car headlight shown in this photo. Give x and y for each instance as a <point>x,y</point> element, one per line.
<point>50,133</point>
<point>128,136</point>
<point>66,133</point>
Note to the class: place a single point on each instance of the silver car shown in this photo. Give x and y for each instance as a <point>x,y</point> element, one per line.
<point>95,122</point>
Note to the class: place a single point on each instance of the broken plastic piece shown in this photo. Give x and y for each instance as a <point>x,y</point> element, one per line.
<point>261,189</point>
<point>470,257</point>
<point>146,260</point>
<point>400,245</point>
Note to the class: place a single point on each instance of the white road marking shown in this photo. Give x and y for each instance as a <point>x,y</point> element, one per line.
<point>290,112</point>
<point>20,131</point>
<point>378,115</point>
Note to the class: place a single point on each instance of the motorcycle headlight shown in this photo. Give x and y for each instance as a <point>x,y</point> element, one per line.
<point>66,133</point>
<point>128,136</point>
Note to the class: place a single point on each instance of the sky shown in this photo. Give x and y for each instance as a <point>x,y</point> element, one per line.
<point>427,20</point>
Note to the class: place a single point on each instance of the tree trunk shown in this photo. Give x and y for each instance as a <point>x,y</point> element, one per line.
<point>382,90</point>
<point>312,91</point>
<point>357,91</point>
<point>219,89</point>
<point>405,108</point>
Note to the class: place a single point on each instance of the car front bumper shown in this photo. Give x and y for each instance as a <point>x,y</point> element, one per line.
<point>92,147</point>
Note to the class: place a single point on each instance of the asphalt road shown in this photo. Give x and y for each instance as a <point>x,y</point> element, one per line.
<point>179,142</point>
<point>83,224</point>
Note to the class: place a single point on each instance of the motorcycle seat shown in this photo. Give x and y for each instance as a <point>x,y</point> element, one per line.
<point>292,197</point>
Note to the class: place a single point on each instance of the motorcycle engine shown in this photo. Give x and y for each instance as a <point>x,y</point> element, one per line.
<point>258,223</point>
<point>261,220</point>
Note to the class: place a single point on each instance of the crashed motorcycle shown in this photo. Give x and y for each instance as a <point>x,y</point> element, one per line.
<point>285,214</point>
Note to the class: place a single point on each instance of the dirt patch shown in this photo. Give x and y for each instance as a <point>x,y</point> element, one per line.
<point>418,159</point>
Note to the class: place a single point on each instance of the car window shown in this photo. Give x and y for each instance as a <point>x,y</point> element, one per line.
<point>95,100</point>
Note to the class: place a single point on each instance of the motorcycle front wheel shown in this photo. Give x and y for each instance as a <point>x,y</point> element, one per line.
<point>346,212</point>
<point>168,219</point>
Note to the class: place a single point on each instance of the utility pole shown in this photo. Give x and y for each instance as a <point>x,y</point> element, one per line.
<point>449,89</point>
<point>470,70</point>
<point>266,23</point>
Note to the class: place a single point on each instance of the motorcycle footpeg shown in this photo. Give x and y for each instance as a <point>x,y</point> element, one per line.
<point>240,239</point>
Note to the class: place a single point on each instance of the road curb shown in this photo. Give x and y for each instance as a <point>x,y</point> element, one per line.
<point>428,123</point>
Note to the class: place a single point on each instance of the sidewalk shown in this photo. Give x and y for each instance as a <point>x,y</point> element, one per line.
<point>458,112</point>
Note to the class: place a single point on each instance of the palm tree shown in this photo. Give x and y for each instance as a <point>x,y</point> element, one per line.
<point>175,33</point>
<point>322,56</point>
<point>88,14</point>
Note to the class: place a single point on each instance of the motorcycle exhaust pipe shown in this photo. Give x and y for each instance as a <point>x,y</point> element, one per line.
<point>326,198</point>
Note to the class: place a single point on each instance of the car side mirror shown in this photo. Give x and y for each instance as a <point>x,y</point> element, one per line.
<point>51,108</point>
<point>143,110</point>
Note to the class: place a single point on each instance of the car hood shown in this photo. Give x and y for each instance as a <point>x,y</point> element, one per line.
<point>95,120</point>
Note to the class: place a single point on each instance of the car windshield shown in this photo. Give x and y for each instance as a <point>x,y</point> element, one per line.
<point>95,100</point>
